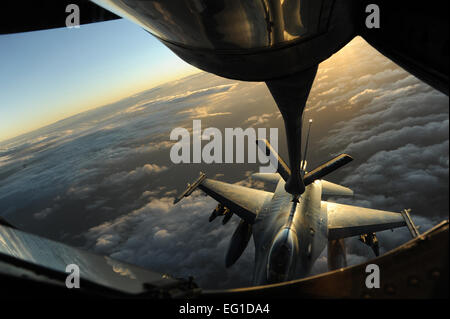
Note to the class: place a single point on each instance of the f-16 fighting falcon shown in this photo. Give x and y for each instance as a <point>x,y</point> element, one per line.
<point>290,231</point>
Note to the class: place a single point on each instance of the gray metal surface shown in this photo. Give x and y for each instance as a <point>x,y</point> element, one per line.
<point>243,201</point>
<point>33,252</point>
<point>237,39</point>
<point>346,220</point>
<point>225,25</point>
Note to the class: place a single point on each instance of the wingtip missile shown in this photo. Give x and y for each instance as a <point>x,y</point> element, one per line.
<point>190,188</point>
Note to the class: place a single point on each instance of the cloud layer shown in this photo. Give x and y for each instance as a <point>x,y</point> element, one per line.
<point>175,239</point>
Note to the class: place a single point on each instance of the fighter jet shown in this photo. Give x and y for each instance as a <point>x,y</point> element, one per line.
<point>291,231</point>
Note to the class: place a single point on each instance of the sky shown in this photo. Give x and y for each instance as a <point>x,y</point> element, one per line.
<point>49,75</point>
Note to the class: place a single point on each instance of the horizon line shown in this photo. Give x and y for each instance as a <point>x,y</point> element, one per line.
<point>3,141</point>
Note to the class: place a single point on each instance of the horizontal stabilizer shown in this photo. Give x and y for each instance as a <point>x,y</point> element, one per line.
<point>327,168</point>
<point>333,189</point>
<point>269,178</point>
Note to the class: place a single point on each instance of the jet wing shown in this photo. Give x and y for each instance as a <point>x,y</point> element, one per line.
<point>243,201</point>
<point>347,221</point>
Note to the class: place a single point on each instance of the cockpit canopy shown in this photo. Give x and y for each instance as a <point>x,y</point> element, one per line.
<point>281,260</point>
